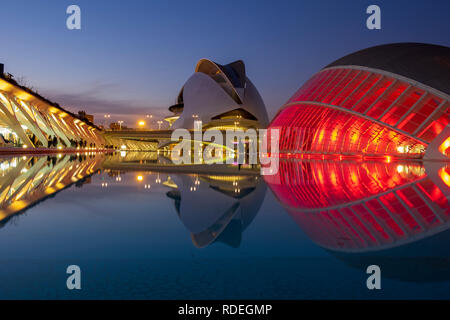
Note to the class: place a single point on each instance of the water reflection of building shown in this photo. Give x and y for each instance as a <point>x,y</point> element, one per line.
<point>355,207</point>
<point>131,158</point>
<point>395,215</point>
<point>25,181</point>
<point>216,208</point>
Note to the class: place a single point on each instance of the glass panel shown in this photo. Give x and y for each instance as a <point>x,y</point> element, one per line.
<point>391,202</point>
<point>340,86</point>
<point>365,215</point>
<point>420,113</point>
<point>380,213</point>
<point>431,191</point>
<point>305,91</point>
<point>325,83</point>
<point>358,225</point>
<point>342,73</point>
<point>361,91</point>
<point>438,122</point>
<point>387,100</point>
<point>350,88</point>
<point>403,106</point>
<point>416,204</point>
<point>373,95</point>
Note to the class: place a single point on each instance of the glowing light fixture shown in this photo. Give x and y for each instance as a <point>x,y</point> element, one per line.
<point>401,149</point>
<point>444,176</point>
<point>444,146</point>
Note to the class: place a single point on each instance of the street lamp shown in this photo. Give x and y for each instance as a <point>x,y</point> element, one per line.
<point>120,124</point>
<point>149,117</point>
<point>159,122</point>
<point>106,116</point>
<point>141,123</point>
<point>196,124</point>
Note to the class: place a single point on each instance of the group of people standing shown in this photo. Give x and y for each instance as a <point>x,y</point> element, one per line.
<point>81,143</point>
<point>54,141</point>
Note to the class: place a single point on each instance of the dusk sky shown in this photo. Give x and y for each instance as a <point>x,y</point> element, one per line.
<point>131,58</point>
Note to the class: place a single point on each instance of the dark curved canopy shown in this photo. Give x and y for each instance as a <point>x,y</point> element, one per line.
<point>426,63</point>
<point>234,113</point>
<point>177,108</point>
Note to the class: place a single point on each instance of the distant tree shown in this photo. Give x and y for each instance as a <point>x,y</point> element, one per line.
<point>22,81</point>
<point>82,114</point>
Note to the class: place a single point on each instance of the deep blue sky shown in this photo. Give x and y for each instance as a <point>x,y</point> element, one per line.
<point>132,57</point>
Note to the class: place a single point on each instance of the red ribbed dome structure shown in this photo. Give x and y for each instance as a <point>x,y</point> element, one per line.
<point>390,100</point>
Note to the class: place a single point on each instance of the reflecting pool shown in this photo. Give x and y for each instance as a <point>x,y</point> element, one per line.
<point>141,229</point>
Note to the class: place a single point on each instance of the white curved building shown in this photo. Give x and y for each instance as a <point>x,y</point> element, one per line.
<point>217,95</point>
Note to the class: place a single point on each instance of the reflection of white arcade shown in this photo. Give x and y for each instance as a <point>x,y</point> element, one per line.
<point>217,208</point>
<point>25,181</point>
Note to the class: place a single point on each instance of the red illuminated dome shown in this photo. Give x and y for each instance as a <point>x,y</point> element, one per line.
<point>389,100</point>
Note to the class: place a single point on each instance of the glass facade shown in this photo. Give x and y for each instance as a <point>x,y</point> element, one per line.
<point>348,110</point>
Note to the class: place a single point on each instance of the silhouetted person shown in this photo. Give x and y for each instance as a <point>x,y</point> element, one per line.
<point>4,139</point>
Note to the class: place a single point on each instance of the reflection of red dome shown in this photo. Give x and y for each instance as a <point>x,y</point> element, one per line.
<point>358,206</point>
<point>365,104</point>
<point>322,184</point>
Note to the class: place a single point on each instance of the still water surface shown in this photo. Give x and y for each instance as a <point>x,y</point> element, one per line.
<point>308,232</point>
